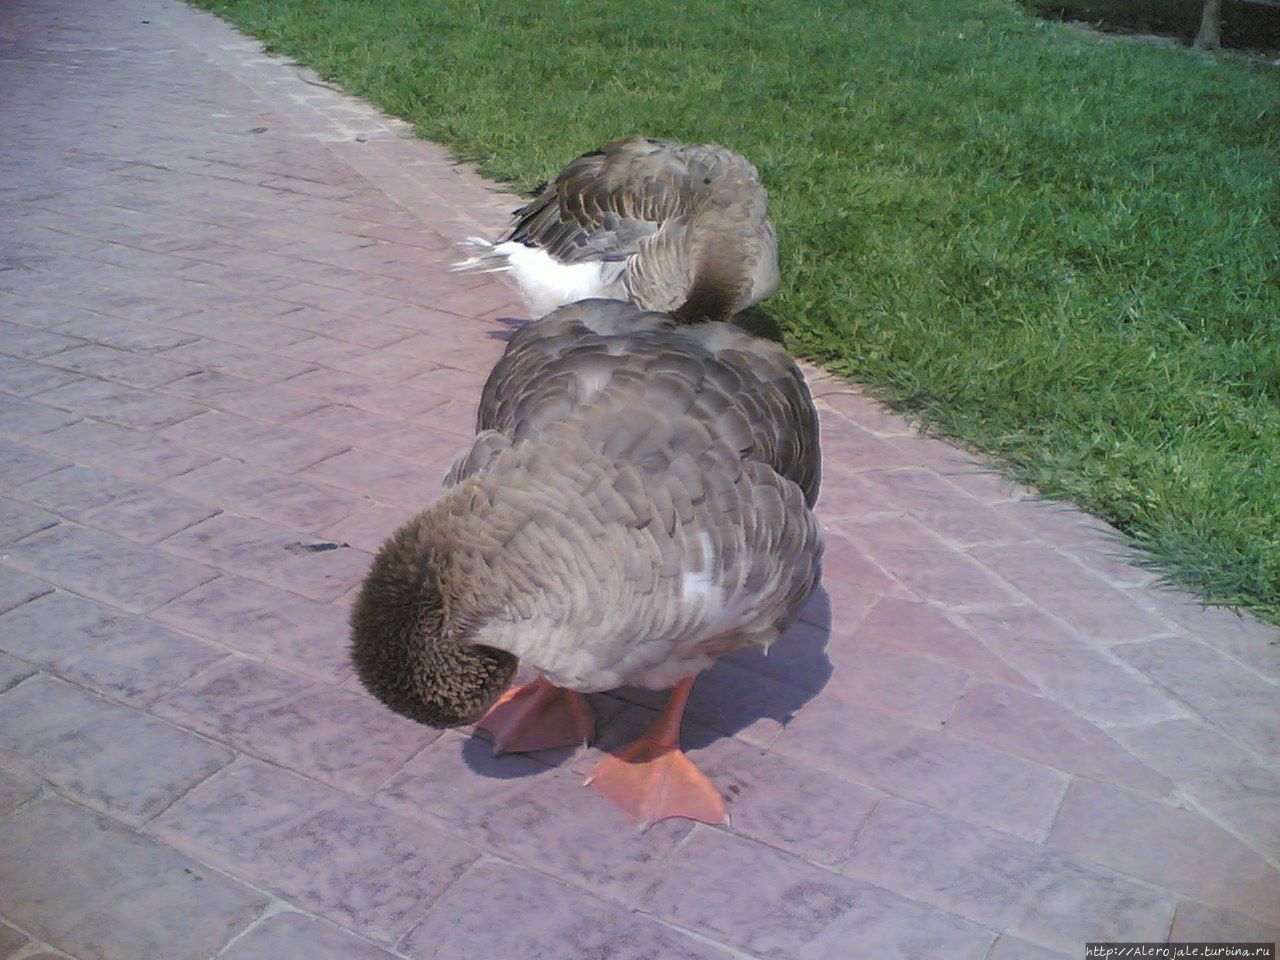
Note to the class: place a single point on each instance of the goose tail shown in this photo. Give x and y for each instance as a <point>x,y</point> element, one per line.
<point>485,257</point>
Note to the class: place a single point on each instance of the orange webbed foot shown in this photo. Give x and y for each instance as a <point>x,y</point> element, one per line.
<point>539,716</point>
<point>652,780</point>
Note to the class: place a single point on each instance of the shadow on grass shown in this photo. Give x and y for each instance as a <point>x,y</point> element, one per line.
<point>1245,26</point>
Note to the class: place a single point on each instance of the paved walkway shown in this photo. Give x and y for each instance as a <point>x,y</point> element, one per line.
<point>230,339</point>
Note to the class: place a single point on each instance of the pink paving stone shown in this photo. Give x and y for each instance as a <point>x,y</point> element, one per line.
<point>14,792</point>
<point>371,334</point>
<point>11,941</point>
<point>1068,590</point>
<point>369,528</point>
<point>920,628</point>
<point>350,425</point>
<point>480,914</point>
<point>1093,542</point>
<point>1003,882</point>
<point>73,491</point>
<point>148,515</point>
<point>244,332</point>
<point>18,520</point>
<point>133,453</point>
<point>847,498</point>
<point>1080,676</point>
<point>476,354</point>
<point>21,464</point>
<point>987,484</point>
<point>739,701</point>
<point>455,775</point>
<point>237,395</point>
<point>13,671</point>
<point>386,479</point>
<point>788,805</point>
<point>462,385</point>
<point>123,657</point>
<point>772,798</point>
<point>894,683</point>
<point>341,738</point>
<point>107,568</point>
<point>134,369</point>
<point>26,377</point>
<point>32,343</point>
<point>1217,773</point>
<point>765,902</point>
<point>121,405</point>
<point>363,867</point>
<point>302,635</point>
<point>1039,729</point>
<point>21,418</point>
<point>457,417</point>
<point>861,410</point>
<point>272,554</point>
<point>1241,702</point>
<point>835,608</point>
<point>81,743</point>
<point>1011,948</point>
<point>236,361</point>
<point>123,334</point>
<point>436,324</point>
<point>61,879</point>
<point>1167,845</point>
<point>844,562</point>
<point>362,306</point>
<point>523,811</point>
<point>387,399</point>
<point>17,588</point>
<point>945,772</point>
<point>267,495</point>
<point>386,364</point>
<point>430,451</point>
<point>798,658</point>
<point>1201,923</point>
<point>944,508</point>
<point>1246,639</point>
<point>283,449</point>
<point>911,554</point>
<point>855,449</point>
<point>289,935</point>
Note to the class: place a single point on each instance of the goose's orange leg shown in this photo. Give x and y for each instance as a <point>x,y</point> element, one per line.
<point>539,716</point>
<point>652,779</point>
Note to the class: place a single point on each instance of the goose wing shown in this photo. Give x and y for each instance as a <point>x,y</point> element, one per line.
<point>633,547</point>
<point>605,203</point>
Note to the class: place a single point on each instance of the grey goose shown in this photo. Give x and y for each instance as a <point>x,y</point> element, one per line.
<point>636,504</point>
<point>668,226</point>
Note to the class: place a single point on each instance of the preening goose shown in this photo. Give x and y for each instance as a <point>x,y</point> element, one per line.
<point>636,504</point>
<point>668,226</point>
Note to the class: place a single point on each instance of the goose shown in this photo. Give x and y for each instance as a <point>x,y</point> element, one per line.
<point>637,503</point>
<point>670,227</point>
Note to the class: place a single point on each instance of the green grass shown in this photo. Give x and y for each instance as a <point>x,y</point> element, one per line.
<point>1062,252</point>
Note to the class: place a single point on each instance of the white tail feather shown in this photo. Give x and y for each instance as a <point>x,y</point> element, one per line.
<point>544,281</point>
<point>486,252</point>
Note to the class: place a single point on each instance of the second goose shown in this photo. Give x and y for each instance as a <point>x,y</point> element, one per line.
<point>671,227</point>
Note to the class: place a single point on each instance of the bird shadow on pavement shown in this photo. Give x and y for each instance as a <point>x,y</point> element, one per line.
<point>747,692</point>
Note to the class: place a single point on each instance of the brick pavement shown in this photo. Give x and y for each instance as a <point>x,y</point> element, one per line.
<point>229,336</point>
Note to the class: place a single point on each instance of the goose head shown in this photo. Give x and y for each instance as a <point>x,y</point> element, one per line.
<point>409,637</point>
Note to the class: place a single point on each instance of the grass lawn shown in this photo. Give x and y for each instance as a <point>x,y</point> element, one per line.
<point>1060,251</point>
